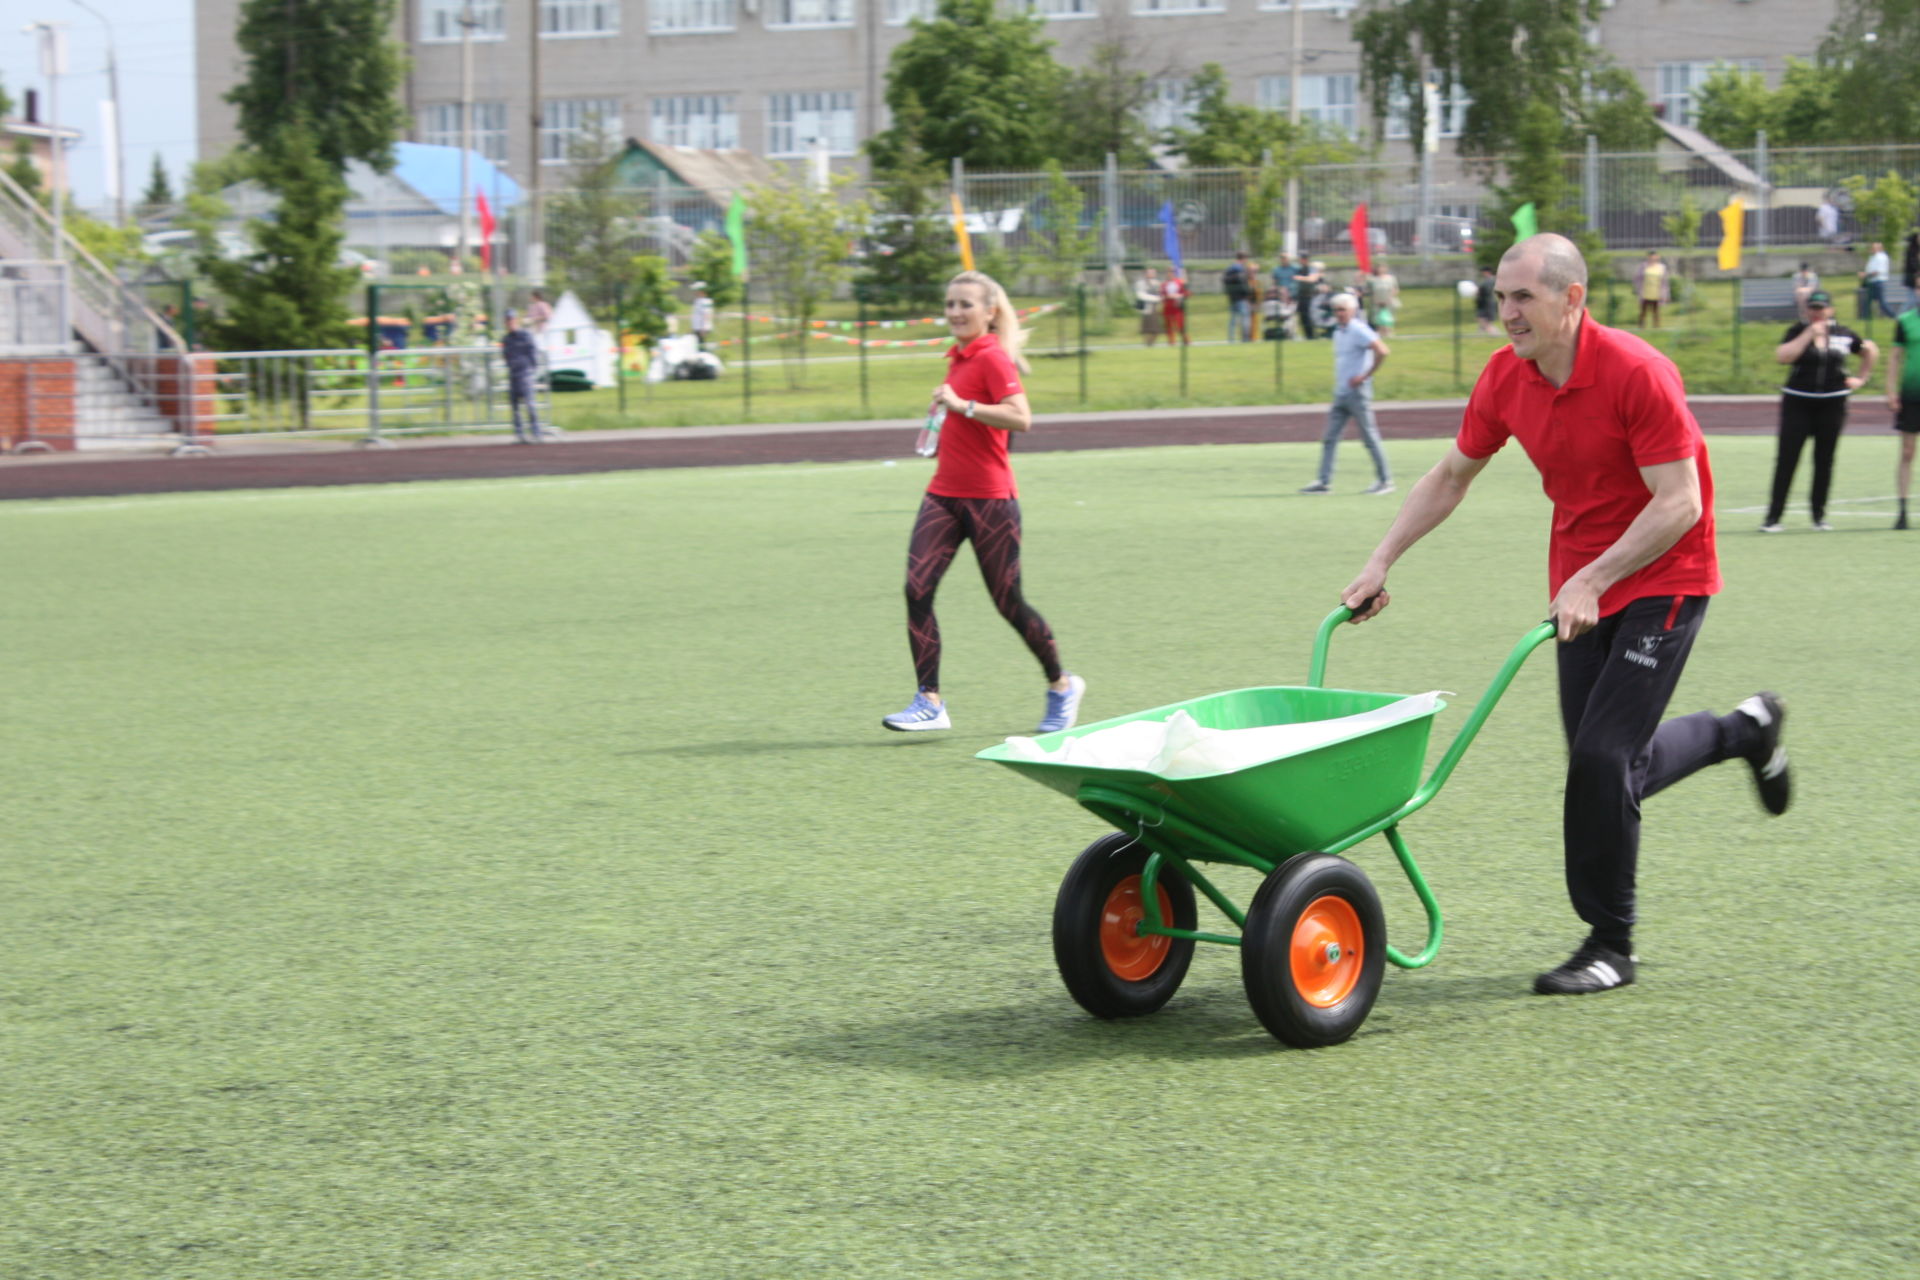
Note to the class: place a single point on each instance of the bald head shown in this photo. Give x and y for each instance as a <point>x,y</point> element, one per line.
<point>1554,257</point>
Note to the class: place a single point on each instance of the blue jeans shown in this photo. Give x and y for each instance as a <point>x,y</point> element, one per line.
<point>1357,405</point>
<point>1240,320</point>
<point>1875,291</point>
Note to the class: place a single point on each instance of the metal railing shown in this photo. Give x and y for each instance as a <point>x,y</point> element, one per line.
<point>349,391</point>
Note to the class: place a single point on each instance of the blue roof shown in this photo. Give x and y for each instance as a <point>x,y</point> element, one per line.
<point>435,173</point>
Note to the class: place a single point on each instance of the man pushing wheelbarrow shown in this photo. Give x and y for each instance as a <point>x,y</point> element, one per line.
<point>1604,418</point>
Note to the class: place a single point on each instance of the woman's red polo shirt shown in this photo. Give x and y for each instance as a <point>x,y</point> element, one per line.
<point>1623,408</point>
<point>973,455</point>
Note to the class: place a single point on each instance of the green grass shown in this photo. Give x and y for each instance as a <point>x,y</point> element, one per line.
<point>511,880</point>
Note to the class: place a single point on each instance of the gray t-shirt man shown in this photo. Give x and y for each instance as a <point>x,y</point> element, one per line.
<point>1357,352</point>
<point>1352,356</point>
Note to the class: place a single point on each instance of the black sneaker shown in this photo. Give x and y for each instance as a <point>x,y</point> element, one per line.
<point>1594,967</point>
<point>1768,759</point>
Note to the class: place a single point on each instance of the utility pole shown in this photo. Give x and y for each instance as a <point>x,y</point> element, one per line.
<point>467,24</point>
<point>535,266</point>
<point>1292,240</point>
<point>114,142</point>
<point>53,65</point>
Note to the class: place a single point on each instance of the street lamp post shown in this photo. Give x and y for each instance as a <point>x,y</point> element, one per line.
<point>53,64</point>
<point>1293,132</point>
<point>119,121</point>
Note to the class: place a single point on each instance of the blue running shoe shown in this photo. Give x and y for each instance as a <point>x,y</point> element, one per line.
<point>1063,707</point>
<point>922,713</point>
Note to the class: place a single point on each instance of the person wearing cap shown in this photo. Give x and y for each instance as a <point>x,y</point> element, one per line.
<point>523,361</point>
<point>701,321</point>
<point>1813,404</point>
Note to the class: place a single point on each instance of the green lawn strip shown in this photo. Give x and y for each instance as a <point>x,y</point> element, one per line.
<point>511,879</point>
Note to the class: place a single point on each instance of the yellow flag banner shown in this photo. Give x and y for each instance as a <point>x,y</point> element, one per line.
<point>1733,222</point>
<point>960,234</point>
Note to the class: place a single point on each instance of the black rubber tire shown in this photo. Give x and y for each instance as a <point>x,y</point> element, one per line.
<point>1266,946</point>
<point>1077,911</point>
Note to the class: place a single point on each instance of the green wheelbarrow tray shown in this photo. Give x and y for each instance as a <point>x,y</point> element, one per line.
<point>1273,815</point>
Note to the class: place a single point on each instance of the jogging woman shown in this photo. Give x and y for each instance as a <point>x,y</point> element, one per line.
<point>972,498</point>
<point>1813,404</point>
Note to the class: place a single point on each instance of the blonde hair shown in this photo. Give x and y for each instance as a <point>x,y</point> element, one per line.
<point>1005,324</point>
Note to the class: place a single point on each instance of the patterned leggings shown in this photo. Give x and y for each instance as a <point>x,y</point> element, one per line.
<point>993,526</point>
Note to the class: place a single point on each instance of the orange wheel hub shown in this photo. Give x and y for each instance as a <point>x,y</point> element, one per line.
<point>1132,955</point>
<point>1328,945</point>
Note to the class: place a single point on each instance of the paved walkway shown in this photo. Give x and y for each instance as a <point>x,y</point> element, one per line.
<point>281,462</point>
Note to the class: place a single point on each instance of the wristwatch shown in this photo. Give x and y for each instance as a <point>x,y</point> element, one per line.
<point>970,407</point>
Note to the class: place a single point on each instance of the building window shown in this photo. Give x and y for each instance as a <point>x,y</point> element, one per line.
<point>567,121</point>
<point>440,127</point>
<point>1339,6</point>
<point>1678,80</point>
<point>1453,114</point>
<point>667,16</point>
<point>1178,6</point>
<point>901,12</point>
<point>1060,8</point>
<point>810,13</point>
<point>563,18</point>
<point>440,20</point>
<point>1169,104</point>
<point>796,120</point>
<point>1328,99</point>
<point>705,120</point>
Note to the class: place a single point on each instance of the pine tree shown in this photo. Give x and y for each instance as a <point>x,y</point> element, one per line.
<point>159,193</point>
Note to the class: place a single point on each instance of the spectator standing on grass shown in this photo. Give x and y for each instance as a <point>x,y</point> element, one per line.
<point>1358,354</point>
<point>1631,562</point>
<point>1650,286</point>
<point>700,320</point>
<point>1384,294</point>
<point>539,312</point>
<point>522,358</point>
<point>1873,283</point>
<point>1236,283</point>
<point>1826,221</point>
<point>1306,284</point>
<point>1146,300</point>
<point>1910,263</point>
<point>1805,281</point>
<point>972,498</point>
<point>1284,272</point>
<point>1485,310</point>
<point>1903,397</point>
<point>1813,404</point>
<point>1173,305</point>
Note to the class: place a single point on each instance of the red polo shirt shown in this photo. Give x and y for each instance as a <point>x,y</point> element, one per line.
<point>973,455</point>
<point>1622,409</point>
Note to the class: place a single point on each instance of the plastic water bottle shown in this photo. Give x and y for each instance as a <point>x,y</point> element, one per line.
<point>929,442</point>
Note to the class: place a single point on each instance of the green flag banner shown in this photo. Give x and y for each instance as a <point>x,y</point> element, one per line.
<point>737,233</point>
<point>1525,221</point>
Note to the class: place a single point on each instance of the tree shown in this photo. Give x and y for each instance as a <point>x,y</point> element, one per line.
<point>1683,224</point>
<point>977,86</point>
<point>320,89</point>
<point>290,293</point>
<point>1507,55</point>
<point>1237,135</point>
<point>589,227</point>
<point>649,299</point>
<point>159,193</point>
<point>798,239</point>
<point>1536,176</point>
<point>1259,229</point>
<point>1885,208</point>
<point>1059,246</point>
<point>1872,56</point>
<point>1102,107</point>
<point>910,252</point>
<point>712,262</point>
<point>23,170</point>
<point>1732,105</point>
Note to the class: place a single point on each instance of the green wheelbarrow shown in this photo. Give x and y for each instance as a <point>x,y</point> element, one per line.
<point>1313,947</point>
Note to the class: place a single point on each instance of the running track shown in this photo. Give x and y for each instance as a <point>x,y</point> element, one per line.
<point>285,464</point>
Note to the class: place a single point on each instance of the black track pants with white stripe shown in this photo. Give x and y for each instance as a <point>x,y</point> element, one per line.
<point>1615,682</point>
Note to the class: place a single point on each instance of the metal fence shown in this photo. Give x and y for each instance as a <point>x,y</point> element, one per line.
<point>348,391</point>
<point>59,400</point>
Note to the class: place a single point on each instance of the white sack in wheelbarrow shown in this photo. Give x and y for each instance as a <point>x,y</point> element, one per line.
<point>1180,747</point>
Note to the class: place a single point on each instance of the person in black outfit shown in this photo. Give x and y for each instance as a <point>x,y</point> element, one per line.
<point>1813,404</point>
<point>523,360</point>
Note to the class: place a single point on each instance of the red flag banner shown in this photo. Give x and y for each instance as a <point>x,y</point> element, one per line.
<point>487,225</point>
<point>1357,232</point>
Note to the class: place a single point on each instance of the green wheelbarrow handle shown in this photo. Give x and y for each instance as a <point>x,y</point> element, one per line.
<point>1317,673</point>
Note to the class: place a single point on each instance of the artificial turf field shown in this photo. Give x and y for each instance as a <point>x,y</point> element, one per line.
<point>512,880</point>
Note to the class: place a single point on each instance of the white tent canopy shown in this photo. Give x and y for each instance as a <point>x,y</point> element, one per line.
<point>574,340</point>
